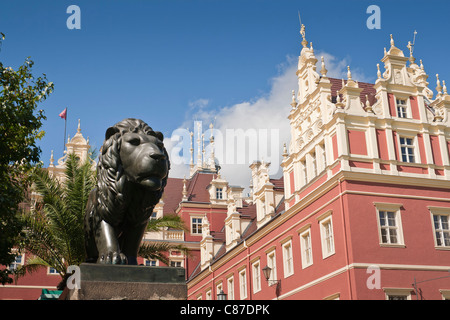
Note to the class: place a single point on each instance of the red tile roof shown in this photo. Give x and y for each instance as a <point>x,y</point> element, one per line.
<point>368,89</point>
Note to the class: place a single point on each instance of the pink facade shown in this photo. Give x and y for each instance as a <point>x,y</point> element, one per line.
<point>366,198</point>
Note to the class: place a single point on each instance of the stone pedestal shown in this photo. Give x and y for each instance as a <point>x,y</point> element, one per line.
<point>117,282</point>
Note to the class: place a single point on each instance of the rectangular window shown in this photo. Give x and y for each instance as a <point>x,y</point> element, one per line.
<point>196,226</point>
<point>304,172</point>
<point>397,294</point>
<point>219,193</point>
<point>389,224</point>
<point>219,288</point>
<point>230,284</point>
<point>256,277</point>
<point>407,149</point>
<point>326,235</point>
<point>243,284</point>
<point>313,164</point>
<point>18,261</point>
<point>175,263</point>
<point>402,108</point>
<point>388,227</point>
<point>271,263</point>
<point>324,155</point>
<point>441,230</point>
<point>306,249</point>
<point>288,263</point>
<point>150,263</point>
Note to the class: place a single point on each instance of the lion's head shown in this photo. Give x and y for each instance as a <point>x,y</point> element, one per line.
<point>132,159</point>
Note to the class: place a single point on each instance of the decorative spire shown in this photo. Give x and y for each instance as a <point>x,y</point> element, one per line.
<point>323,70</point>
<point>303,33</point>
<point>392,41</point>
<point>438,85</point>
<point>52,160</point>
<point>368,106</point>
<point>378,71</point>
<point>293,103</point>
<point>184,193</point>
<point>339,103</point>
<point>285,153</point>
<point>349,74</point>
<point>444,87</point>
<point>79,127</point>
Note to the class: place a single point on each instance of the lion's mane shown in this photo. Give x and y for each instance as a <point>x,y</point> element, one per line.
<point>112,182</point>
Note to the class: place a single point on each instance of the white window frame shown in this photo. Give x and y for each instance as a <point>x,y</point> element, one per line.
<point>208,294</point>
<point>219,287</point>
<point>306,248</point>
<point>443,232</point>
<point>304,166</point>
<point>198,225</point>
<point>219,193</point>
<point>401,292</point>
<point>406,112</point>
<point>256,276</point>
<point>288,258</point>
<point>230,288</point>
<point>395,209</point>
<point>327,235</point>
<point>414,146</point>
<point>150,261</point>
<point>19,260</point>
<point>243,284</point>
<point>272,263</point>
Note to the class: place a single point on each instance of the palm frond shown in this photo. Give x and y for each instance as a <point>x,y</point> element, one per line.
<point>54,231</point>
<point>158,250</point>
<point>168,221</point>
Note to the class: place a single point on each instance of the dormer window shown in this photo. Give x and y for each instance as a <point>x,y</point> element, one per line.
<point>219,193</point>
<point>402,108</point>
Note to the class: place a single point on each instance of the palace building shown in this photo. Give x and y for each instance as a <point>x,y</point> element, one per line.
<point>361,211</point>
<point>363,207</point>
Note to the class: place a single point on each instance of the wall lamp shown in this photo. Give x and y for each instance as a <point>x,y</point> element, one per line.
<point>267,271</point>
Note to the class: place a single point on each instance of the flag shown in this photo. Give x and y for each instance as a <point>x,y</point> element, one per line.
<point>63,114</point>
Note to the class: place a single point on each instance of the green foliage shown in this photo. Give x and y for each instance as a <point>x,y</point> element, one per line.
<point>54,229</point>
<point>20,124</point>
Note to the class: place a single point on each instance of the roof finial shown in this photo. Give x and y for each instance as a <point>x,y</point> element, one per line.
<point>303,33</point>
<point>392,41</point>
<point>52,159</point>
<point>285,153</point>
<point>184,192</point>
<point>378,71</point>
<point>444,87</point>
<point>79,126</point>
<point>349,73</point>
<point>324,70</point>
<point>438,85</point>
<point>293,103</point>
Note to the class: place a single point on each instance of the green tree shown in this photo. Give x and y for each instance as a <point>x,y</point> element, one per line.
<point>20,129</point>
<point>157,250</point>
<point>54,228</point>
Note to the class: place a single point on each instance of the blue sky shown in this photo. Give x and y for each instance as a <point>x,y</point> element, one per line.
<point>163,60</point>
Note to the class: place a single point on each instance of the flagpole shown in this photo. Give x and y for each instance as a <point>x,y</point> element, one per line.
<point>65,127</point>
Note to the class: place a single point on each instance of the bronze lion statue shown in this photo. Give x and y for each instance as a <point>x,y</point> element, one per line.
<point>132,172</point>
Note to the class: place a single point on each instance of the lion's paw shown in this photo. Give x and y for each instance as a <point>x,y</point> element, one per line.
<point>113,258</point>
